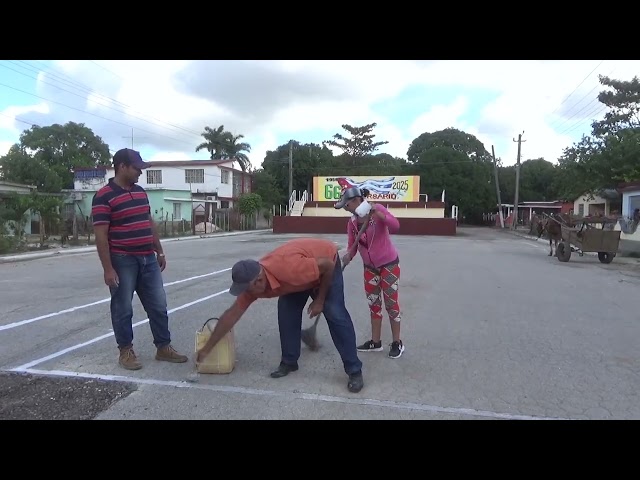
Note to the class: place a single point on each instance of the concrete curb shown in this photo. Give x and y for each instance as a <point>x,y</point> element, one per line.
<point>91,248</point>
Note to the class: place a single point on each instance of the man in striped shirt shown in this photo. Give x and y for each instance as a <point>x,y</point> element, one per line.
<point>132,258</point>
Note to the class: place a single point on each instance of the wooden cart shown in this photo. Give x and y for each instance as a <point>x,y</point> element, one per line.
<point>587,238</point>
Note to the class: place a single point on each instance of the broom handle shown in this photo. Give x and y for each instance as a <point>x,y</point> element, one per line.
<point>355,243</point>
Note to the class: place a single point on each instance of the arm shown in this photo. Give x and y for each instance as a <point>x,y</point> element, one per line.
<point>325,267</point>
<point>101,233</point>
<point>351,238</point>
<point>386,217</point>
<point>101,214</point>
<point>226,322</point>
<point>156,238</point>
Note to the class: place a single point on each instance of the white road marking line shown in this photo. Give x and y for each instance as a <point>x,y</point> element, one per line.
<point>104,300</point>
<point>293,395</point>
<point>110,334</point>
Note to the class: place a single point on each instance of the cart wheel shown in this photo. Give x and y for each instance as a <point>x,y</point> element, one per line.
<point>606,257</point>
<point>563,252</point>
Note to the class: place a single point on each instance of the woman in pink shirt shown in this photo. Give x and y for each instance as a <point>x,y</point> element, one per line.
<point>381,264</point>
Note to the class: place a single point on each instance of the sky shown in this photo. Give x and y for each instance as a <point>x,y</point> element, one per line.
<point>165,105</point>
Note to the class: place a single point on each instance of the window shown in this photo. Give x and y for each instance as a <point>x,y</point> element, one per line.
<point>69,209</point>
<point>194,175</point>
<point>177,211</point>
<point>581,209</point>
<point>224,176</point>
<point>634,202</point>
<point>154,177</point>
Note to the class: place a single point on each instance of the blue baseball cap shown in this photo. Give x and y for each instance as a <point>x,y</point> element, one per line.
<point>128,156</point>
<point>242,274</point>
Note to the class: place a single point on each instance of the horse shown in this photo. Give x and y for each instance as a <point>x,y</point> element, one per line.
<point>536,225</point>
<point>552,224</point>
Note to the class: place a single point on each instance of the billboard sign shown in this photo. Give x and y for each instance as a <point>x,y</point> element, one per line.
<point>382,189</point>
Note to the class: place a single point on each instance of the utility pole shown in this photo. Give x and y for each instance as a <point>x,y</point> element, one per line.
<point>131,137</point>
<point>495,170</point>
<point>290,168</point>
<point>514,221</point>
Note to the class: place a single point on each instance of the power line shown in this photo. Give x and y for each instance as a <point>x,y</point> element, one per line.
<point>89,113</point>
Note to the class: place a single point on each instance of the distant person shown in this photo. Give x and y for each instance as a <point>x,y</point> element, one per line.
<point>132,258</point>
<point>381,264</point>
<point>293,272</point>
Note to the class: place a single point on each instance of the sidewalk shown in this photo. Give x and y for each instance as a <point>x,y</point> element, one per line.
<point>523,234</point>
<point>91,248</point>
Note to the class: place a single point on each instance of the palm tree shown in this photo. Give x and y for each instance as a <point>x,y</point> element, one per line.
<point>216,142</point>
<point>235,150</point>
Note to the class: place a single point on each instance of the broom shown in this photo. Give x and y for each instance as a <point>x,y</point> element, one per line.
<point>309,334</point>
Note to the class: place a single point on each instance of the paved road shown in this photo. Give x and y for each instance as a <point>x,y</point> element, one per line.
<point>493,327</point>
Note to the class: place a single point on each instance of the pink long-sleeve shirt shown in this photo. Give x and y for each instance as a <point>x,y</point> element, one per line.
<point>375,245</point>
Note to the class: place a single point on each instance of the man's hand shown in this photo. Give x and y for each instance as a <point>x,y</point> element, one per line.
<point>200,355</point>
<point>162,261</point>
<point>111,277</point>
<point>315,308</point>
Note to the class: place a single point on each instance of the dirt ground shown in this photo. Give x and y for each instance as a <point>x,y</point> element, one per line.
<point>35,397</point>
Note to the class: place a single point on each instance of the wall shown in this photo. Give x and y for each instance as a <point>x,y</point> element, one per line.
<point>162,203</point>
<point>173,177</point>
<point>160,200</point>
<point>586,202</point>
<point>338,225</point>
<point>399,209</point>
<point>630,201</point>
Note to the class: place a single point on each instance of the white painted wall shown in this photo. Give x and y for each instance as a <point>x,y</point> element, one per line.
<point>586,202</point>
<point>205,178</point>
<point>630,201</point>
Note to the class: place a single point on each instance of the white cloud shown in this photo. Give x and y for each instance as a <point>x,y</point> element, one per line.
<point>12,122</point>
<point>168,103</point>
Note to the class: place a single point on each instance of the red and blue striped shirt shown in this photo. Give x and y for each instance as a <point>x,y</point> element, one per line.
<point>128,215</point>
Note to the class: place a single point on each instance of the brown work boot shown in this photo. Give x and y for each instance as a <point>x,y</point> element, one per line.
<point>128,359</point>
<point>169,354</point>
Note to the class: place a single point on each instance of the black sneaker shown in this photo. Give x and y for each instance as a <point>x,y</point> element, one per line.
<point>396,349</point>
<point>356,382</point>
<point>370,346</point>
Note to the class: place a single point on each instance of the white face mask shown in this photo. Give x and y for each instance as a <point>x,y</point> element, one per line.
<point>363,209</point>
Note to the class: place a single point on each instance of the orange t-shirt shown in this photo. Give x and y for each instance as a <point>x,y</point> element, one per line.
<point>292,267</point>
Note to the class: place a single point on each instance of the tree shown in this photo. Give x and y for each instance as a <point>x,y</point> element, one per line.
<point>309,160</point>
<point>223,145</point>
<point>266,185</point>
<point>20,167</point>
<point>47,156</point>
<point>457,162</point>
<point>609,156</point>
<point>537,181</point>
<point>359,145</point>
<point>214,142</point>
<point>236,150</point>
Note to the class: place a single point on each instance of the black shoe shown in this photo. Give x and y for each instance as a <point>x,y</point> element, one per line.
<point>396,349</point>
<point>370,346</point>
<point>283,370</point>
<point>356,382</point>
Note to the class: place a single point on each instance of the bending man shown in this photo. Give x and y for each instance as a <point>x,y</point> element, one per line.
<point>295,271</point>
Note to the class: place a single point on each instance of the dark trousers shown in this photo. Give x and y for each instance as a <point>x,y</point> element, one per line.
<point>290,309</point>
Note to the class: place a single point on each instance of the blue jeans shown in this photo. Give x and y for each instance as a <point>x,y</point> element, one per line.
<point>339,321</point>
<point>141,274</point>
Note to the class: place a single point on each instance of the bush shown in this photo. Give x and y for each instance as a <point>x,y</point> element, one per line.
<point>7,244</point>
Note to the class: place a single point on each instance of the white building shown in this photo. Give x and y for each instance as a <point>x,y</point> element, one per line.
<point>212,180</point>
